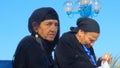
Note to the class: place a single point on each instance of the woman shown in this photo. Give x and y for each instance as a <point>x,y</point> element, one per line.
<point>75,48</point>
<point>35,50</point>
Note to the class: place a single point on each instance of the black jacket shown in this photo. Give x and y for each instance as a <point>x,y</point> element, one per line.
<point>29,54</point>
<point>70,54</point>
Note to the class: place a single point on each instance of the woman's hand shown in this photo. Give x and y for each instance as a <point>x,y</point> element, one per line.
<point>106,57</point>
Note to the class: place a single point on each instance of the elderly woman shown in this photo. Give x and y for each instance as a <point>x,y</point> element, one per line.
<point>35,50</point>
<point>75,48</point>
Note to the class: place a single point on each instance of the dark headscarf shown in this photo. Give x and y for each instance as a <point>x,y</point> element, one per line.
<point>41,14</point>
<point>87,25</point>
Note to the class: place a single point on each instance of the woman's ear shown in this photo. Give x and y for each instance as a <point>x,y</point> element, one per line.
<point>35,26</point>
<point>80,31</point>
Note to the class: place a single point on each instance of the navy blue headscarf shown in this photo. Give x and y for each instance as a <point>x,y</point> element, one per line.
<point>87,25</point>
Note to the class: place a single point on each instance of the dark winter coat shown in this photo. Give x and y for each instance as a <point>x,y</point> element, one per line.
<point>70,54</point>
<point>30,54</point>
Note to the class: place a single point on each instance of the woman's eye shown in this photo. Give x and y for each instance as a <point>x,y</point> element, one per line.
<point>56,24</point>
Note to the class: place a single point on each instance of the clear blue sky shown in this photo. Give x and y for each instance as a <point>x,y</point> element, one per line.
<point>14,16</point>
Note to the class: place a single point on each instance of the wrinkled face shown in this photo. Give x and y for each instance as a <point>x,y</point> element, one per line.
<point>48,29</point>
<point>87,38</point>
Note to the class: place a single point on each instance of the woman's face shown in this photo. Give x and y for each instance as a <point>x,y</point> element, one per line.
<point>90,38</point>
<point>87,38</point>
<point>48,29</point>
